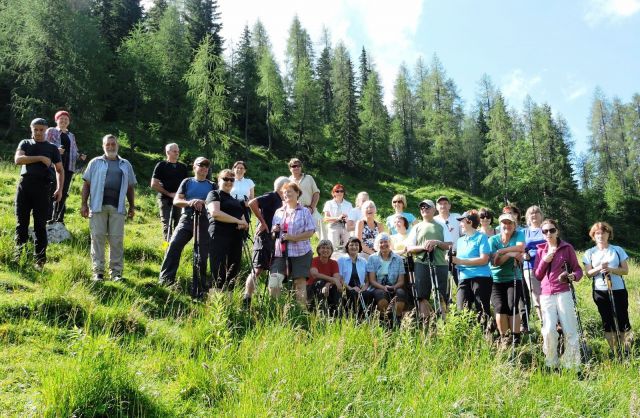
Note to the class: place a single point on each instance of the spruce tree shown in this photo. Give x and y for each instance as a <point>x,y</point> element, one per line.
<point>345,123</point>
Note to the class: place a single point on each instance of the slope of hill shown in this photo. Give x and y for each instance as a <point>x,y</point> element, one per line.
<point>133,348</point>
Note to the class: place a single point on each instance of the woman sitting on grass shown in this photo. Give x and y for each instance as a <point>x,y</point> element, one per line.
<point>324,283</point>
<point>386,276</point>
<point>353,270</point>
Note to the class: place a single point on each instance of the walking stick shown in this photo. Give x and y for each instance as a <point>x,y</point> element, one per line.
<point>434,284</point>
<point>363,305</point>
<point>197,285</point>
<point>518,265</point>
<point>614,312</point>
<point>167,238</point>
<point>412,283</point>
<point>583,344</point>
<point>513,313</point>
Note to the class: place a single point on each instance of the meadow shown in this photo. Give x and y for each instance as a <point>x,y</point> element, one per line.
<point>71,347</point>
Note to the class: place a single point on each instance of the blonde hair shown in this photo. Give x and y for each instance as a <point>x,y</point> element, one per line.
<point>401,197</point>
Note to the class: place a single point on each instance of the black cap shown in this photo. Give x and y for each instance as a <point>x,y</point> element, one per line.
<point>443,198</point>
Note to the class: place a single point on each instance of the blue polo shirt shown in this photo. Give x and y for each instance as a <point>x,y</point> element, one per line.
<point>473,246</point>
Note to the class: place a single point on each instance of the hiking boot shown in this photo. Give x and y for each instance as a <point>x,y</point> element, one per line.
<point>98,277</point>
<point>117,277</point>
<point>246,302</point>
<point>39,266</point>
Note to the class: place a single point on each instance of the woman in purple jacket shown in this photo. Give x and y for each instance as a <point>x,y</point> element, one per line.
<point>555,265</point>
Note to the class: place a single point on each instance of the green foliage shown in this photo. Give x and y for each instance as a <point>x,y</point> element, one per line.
<point>207,91</point>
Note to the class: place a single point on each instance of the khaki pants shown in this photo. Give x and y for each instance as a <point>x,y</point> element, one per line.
<point>107,225</point>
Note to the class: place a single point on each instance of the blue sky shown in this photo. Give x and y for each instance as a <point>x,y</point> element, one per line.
<point>555,51</point>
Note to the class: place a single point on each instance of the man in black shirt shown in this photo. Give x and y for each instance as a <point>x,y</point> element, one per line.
<point>166,177</point>
<point>263,207</point>
<point>41,165</point>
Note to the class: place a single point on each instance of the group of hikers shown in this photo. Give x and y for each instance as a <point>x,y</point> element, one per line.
<point>362,266</point>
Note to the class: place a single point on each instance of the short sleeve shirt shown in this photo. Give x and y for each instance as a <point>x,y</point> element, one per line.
<point>228,205</point>
<point>614,255</point>
<point>505,272</point>
<point>328,269</point>
<point>392,218</point>
<point>33,148</point>
<point>269,203</point>
<point>473,246</point>
<point>242,188</point>
<point>308,186</point>
<point>423,232</point>
<point>170,175</point>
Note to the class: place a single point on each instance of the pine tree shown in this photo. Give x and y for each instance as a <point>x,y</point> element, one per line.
<point>203,18</point>
<point>244,97</point>
<point>117,18</point>
<point>323,69</point>
<point>374,123</point>
<point>364,71</point>
<point>155,13</point>
<point>207,92</point>
<point>271,92</point>
<point>345,123</point>
<point>403,146</point>
<point>442,116</point>
<point>499,150</point>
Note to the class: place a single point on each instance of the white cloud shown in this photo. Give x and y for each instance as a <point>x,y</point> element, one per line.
<point>515,86</point>
<point>574,88</point>
<point>610,10</point>
<point>386,32</point>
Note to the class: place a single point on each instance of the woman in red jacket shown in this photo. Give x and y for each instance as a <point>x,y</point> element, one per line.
<point>556,264</point>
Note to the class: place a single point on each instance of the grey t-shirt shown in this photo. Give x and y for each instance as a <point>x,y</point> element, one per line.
<point>112,184</point>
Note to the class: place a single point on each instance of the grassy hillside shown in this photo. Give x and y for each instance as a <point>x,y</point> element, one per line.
<point>74,348</point>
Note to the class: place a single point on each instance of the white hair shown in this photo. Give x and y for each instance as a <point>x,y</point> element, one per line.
<point>366,204</point>
<point>279,182</point>
<point>169,146</point>
<point>382,236</point>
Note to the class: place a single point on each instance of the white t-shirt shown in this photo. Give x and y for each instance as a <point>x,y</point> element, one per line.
<point>242,188</point>
<point>336,209</point>
<point>451,228</point>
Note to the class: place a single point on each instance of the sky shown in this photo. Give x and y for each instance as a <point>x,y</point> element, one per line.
<point>557,52</point>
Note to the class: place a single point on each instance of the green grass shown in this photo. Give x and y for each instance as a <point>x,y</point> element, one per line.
<point>133,348</point>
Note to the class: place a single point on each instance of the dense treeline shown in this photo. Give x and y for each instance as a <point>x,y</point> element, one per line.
<point>166,73</point>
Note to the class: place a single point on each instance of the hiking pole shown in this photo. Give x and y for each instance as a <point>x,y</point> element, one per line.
<point>518,266</point>
<point>363,305</point>
<point>614,311</point>
<point>412,282</point>
<point>437,306</point>
<point>167,237</point>
<point>197,285</point>
<point>513,313</point>
<point>583,344</point>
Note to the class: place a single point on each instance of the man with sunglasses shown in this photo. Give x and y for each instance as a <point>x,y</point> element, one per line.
<point>452,232</point>
<point>310,194</point>
<point>427,243</point>
<point>190,197</point>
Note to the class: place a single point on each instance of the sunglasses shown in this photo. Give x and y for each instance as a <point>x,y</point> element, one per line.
<point>294,166</point>
<point>229,179</point>
<point>549,231</point>
<point>202,165</point>
<point>425,207</point>
<point>339,191</point>
<point>397,201</point>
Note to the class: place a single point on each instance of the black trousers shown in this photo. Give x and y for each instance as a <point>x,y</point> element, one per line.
<point>165,204</point>
<point>57,209</point>
<point>181,237</point>
<point>475,294</point>
<point>225,256</point>
<point>32,196</point>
